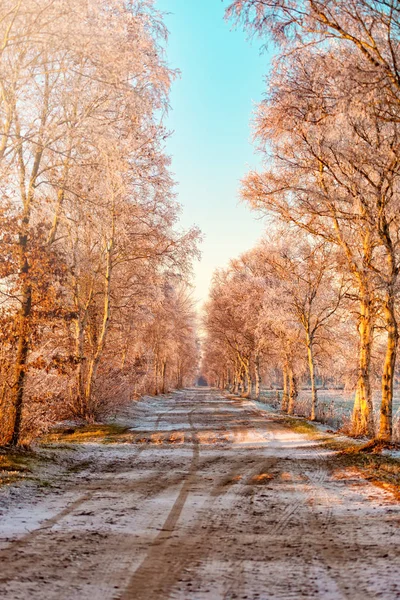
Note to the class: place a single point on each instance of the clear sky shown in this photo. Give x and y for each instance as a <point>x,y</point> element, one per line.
<point>222,77</point>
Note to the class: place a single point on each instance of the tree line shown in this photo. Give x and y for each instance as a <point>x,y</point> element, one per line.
<point>94,267</point>
<point>328,270</point>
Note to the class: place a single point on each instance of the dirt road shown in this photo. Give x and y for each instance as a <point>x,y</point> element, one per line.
<point>213,499</point>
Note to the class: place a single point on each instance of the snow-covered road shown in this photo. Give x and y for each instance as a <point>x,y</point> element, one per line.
<point>214,499</point>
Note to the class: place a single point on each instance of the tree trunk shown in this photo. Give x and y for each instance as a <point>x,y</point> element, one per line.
<point>22,326</point>
<point>363,423</point>
<point>155,375</point>
<point>248,383</point>
<point>21,363</point>
<point>163,376</point>
<point>80,357</point>
<point>257,378</point>
<point>236,383</point>
<point>23,334</point>
<point>95,359</point>
<point>285,395</point>
<point>385,425</point>
<point>179,377</point>
<point>311,366</point>
<point>292,391</point>
<point>228,380</point>
<point>80,331</point>
<point>241,382</point>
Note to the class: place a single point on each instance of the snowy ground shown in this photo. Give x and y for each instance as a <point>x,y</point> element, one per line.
<point>214,499</point>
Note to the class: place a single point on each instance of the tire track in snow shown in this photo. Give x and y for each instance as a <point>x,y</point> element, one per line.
<point>155,574</point>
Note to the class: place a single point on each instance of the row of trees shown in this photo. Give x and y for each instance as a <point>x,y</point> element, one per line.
<point>286,314</point>
<point>329,134</point>
<point>93,265</point>
<point>276,308</point>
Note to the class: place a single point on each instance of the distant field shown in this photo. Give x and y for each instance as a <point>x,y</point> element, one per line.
<point>335,406</point>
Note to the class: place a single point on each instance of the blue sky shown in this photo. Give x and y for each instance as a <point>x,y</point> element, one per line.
<point>222,77</point>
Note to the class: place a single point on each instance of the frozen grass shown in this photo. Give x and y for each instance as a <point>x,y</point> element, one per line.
<point>301,426</point>
<point>87,433</point>
<point>334,408</point>
<point>380,469</point>
<point>13,466</point>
